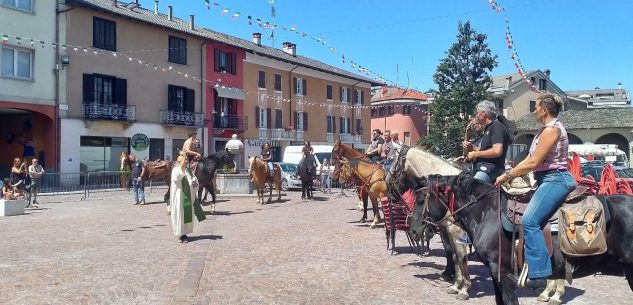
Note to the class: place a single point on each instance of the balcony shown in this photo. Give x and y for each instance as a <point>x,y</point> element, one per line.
<point>264,134</point>
<point>174,118</point>
<point>348,138</point>
<point>236,122</point>
<point>282,134</point>
<point>329,138</point>
<point>299,135</point>
<point>108,112</point>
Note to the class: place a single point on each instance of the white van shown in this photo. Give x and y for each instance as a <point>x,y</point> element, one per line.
<point>292,154</point>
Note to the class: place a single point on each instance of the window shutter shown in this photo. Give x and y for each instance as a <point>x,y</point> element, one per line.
<point>278,118</point>
<point>329,125</point>
<point>233,64</point>
<point>88,88</point>
<point>359,128</point>
<point>355,97</point>
<point>120,89</point>
<point>349,95</point>
<point>294,85</point>
<point>296,121</point>
<point>305,87</point>
<point>256,117</point>
<point>341,123</point>
<point>216,66</point>
<point>362,97</point>
<point>170,97</point>
<point>348,125</point>
<point>340,93</point>
<point>305,121</point>
<point>190,100</point>
<point>268,118</point>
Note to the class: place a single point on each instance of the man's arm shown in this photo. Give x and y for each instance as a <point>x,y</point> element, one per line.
<point>142,172</point>
<point>497,137</point>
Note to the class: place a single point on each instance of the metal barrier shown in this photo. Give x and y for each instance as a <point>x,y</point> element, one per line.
<point>60,183</point>
<point>105,181</point>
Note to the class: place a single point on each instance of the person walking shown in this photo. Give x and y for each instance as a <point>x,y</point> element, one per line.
<point>36,172</point>
<point>547,159</point>
<point>325,175</point>
<point>138,172</point>
<point>183,203</point>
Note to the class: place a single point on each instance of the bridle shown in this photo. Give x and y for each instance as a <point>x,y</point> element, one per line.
<point>446,197</point>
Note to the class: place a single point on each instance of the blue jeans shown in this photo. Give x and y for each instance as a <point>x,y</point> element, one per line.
<point>325,181</point>
<point>552,189</point>
<point>139,190</point>
<point>482,176</point>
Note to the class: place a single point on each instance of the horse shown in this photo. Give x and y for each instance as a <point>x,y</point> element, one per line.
<point>126,167</point>
<point>258,170</point>
<point>371,175</point>
<point>159,171</point>
<point>307,173</point>
<point>476,206</point>
<point>412,164</point>
<point>205,172</point>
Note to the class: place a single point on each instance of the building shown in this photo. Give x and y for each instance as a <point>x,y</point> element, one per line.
<point>28,95</point>
<point>403,110</point>
<point>601,98</point>
<point>293,98</point>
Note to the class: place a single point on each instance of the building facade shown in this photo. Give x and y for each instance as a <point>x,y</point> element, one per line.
<point>401,110</point>
<point>120,98</point>
<point>28,115</point>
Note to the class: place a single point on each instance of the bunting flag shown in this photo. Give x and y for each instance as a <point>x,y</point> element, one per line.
<point>250,20</point>
<point>236,15</point>
<point>225,11</point>
<point>208,4</point>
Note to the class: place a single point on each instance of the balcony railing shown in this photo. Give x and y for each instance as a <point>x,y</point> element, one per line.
<point>174,118</point>
<point>264,134</point>
<point>282,134</point>
<point>347,138</point>
<point>299,135</point>
<point>110,112</point>
<point>236,122</point>
<point>358,139</point>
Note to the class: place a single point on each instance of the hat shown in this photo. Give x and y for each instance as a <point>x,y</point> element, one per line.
<point>519,185</point>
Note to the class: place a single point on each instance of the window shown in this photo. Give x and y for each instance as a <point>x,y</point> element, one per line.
<point>301,86</point>
<point>180,99</point>
<point>359,96</point>
<point>533,80</point>
<point>261,79</point>
<point>344,125</point>
<point>381,111</point>
<point>374,112</point>
<point>301,121</point>
<point>344,94</point>
<point>277,82</point>
<point>177,50</point>
<point>24,5</point>
<point>225,62</point>
<point>406,109</point>
<point>103,34</point>
<point>328,92</point>
<point>262,117</point>
<point>331,125</point>
<point>104,89</point>
<point>389,110</point>
<point>279,118</point>
<point>359,126</point>
<point>542,84</point>
<point>17,63</point>
<point>156,149</point>
<point>532,106</point>
<point>101,153</point>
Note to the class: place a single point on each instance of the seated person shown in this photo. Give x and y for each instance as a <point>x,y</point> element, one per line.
<point>8,190</point>
<point>375,148</point>
<point>267,157</point>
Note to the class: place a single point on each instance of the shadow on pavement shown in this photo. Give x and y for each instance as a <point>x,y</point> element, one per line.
<point>201,237</point>
<point>225,213</point>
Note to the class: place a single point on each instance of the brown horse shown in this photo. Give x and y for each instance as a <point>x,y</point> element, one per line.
<point>258,170</point>
<point>370,175</point>
<point>159,171</point>
<point>126,167</point>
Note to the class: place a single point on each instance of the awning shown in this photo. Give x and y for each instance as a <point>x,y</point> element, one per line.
<point>230,92</point>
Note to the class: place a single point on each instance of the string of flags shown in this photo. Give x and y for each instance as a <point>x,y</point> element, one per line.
<point>82,50</point>
<point>355,65</point>
<point>495,6</point>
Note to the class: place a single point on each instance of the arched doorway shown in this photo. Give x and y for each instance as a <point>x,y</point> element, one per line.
<point>574,139</point>
<point>615,138</point>
<point>525,139</point>
<point>26,134</point>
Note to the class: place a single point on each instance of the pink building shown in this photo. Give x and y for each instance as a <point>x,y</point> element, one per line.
<point>402,110</point>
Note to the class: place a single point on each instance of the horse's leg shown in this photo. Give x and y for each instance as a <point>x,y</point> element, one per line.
<point>270,193</point>
<point>211,189</point>
<point>449,273</point>
<point>374,207</point>
<point>462,276</point>
<point>364,218</point>
<point>278,182</point>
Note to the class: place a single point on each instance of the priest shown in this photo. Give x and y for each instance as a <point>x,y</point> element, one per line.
<point>183,200</point>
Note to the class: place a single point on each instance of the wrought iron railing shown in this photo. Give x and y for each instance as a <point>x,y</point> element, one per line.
<point>113,112</point>
<point>282,134</point>
<point>236,122</point>
<point>329,138</point>
<point>264,134</point>
<point>175,118</point>
<point>346,138</point>
<point>299,135</point>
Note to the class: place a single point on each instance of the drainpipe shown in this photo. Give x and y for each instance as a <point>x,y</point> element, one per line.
<point>202,88</point>
<point>57,137</point>
<point>354,92</point>
<point>290,87</point>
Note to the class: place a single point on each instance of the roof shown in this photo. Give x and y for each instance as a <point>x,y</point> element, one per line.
<point>180,25</point>
<point>500,81</point>
<point>585,119</point>
<point>392,93</point>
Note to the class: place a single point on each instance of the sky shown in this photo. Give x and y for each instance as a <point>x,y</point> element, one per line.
<point>585,43</point>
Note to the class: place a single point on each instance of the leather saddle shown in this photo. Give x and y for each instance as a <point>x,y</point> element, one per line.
<point>513,206</point>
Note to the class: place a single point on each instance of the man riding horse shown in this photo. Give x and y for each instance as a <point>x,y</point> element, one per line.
<point>189,151</point>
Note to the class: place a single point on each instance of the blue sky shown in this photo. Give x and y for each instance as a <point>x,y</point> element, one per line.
<point>585,43</point>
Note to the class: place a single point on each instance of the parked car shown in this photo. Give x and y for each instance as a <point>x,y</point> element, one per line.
<point>288,180</point>
<point>596,172</point>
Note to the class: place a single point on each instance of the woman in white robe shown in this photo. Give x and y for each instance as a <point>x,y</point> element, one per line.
<point>183,200</point>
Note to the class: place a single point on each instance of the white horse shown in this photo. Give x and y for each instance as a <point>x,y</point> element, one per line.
<point>420,163</point>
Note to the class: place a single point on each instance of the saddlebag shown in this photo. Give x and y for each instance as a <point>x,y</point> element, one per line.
<point>582,228</point>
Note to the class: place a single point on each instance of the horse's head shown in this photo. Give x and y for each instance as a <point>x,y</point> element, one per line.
<point>432,201</point>
<point>226,157</point>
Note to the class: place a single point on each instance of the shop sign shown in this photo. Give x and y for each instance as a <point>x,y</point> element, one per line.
<point>140,142</point>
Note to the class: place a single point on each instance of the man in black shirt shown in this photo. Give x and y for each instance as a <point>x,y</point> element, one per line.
<point>375,148</point>
<point>137,174</point>
<point>489,160</point>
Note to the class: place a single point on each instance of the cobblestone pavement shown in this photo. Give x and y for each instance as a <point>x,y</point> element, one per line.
<point>107,251</point>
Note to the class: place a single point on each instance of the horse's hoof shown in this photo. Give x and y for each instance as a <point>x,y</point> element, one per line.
<point>452,290</point>
<point>543,297</point>
<point>462,296</point>
<point>553,302</point>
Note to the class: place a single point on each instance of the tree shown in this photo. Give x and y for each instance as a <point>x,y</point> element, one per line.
<point>462,79</point>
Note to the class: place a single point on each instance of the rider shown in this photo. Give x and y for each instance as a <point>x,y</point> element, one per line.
<point>305,151</point>
<point>489,159</point>
<point>267,157</point>
<point>547,158</point>
<point>375,148</point>
<point>388,149</point>
<point>189,150</point>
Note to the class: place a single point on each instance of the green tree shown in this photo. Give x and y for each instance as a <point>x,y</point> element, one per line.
<point>462,79</point>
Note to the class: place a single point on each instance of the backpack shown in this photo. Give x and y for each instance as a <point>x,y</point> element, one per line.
<point>511,129</point>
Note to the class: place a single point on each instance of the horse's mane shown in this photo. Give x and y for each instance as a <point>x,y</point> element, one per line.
<point>431,163</point>
<point>350,151</point>
<point>466,185</point>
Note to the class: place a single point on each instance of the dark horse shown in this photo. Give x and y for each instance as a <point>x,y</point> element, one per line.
<point>477,206</point>
<point>205,172</point>
<point>307,173</point>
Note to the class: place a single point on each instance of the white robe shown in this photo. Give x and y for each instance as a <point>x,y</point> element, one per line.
<point>176,201</point>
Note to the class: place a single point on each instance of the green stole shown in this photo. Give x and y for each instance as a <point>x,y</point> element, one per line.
<point>186,195</point>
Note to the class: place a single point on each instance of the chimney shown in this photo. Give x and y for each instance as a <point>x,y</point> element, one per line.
<point>155,7</point>
<point>191,24</point>
<point>114,2</point>
<point>547,73</point>
<point>170,13</point>
<point>508,82</point>
<point>257,38</point>
<point>290,48</point>
<point>136,2</point>
<point>619,85</point>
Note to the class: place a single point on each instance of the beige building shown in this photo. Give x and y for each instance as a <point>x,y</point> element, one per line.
<point>299,99</point>
<point>120,98</point>
<point>27,82</point>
